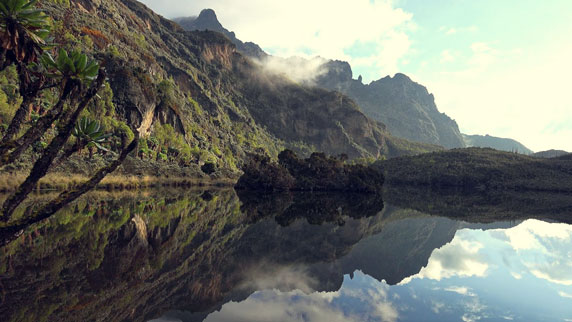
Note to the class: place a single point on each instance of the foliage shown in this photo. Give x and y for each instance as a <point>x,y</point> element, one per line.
<point>316,173</point>
<point>72,80</point>
<point>23,30</point>
<point>74,66</point>
<point>89,132</point>
<point>479,168</point>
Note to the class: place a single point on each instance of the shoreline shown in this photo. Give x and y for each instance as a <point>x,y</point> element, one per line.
<point>9,182</point>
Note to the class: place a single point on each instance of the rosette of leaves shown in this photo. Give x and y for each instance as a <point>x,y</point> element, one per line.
<point>23,31</point>
<point>90,133</point>
<point>72,66</point>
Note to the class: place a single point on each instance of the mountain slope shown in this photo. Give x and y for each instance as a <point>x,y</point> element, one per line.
<point>502,144</point>
<point>407,108</point>
<point>196,87</point>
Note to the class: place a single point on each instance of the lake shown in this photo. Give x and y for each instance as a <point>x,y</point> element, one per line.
<point>198,255</point>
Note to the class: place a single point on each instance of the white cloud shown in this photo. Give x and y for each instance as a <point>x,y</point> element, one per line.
<point>321,27</point>
<point>451,31</point>
<point>458,258</point>
<point>456,30</point>
<point>509,93</point>
<point>447,56</point>
<point>297,69</point>
<point>460,290</point>
<point>275,305</point>
<point>564,294</point>
<point>543,249</point>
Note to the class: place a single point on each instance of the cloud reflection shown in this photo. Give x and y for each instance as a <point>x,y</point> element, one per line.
<point>459,258</point>
<point>370,302</point>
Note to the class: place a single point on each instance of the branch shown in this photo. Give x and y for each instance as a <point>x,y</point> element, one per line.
<point>35,132</point>
<point>29,91</point>
<point>8,234</point>
<point>43,164</point>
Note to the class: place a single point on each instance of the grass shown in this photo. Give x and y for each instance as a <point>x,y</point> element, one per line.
<point>9,182</point>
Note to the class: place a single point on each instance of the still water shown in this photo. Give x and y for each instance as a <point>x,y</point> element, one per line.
<point>217,256</point>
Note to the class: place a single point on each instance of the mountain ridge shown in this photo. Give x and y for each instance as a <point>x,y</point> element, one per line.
<point>381,99</point>
<point>502,144</point>
<point>207,101</point>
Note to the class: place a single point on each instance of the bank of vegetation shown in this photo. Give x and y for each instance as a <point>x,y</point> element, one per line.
<point>480,168</point>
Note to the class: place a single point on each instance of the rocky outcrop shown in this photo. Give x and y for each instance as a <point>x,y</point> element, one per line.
<point>501,144</point>
<point>406,107</point>
<point>207,20</point>
<point>203,86</point>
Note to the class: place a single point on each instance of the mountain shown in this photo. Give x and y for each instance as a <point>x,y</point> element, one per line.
<point>497,143</point>
<point>196,94</point>
<point>406,107</point>
<point>550,154</point>
<point>207,20</point>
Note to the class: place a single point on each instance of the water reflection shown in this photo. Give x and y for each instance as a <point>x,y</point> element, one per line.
<point>216,256</point>
<point>522,273</point>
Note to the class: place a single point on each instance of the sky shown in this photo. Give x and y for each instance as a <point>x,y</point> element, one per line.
<point>497,67</point>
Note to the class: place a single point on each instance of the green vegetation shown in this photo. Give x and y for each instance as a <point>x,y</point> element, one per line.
<point>479,168</point>
<point>316,173</point>
<point>63,86</point>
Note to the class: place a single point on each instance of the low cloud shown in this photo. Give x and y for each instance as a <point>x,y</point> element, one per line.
<point>298,69</point>
<point>326,28</point>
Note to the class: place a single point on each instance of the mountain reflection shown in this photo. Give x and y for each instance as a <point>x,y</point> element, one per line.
<point>532,260</point>
<point>215,256</point>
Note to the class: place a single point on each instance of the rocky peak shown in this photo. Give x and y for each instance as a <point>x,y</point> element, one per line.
<point>207,20</point>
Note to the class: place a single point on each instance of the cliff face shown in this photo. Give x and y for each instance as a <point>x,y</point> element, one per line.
<point>207,20</point>
<point>407,108</point>
<point>219,102</point>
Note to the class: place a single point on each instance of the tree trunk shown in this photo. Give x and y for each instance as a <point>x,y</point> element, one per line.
<point>43,164</point>
<point>29,91</point>
<point>34,133</point>
<point>12,232</point>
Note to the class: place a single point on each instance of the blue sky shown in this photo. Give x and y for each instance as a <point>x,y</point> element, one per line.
<point>496,67</point>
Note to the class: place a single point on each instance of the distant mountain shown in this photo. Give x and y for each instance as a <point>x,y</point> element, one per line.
<point>407,108</point>
<point>207,20</point>
<point>550,154</point>
<point>496,143</point>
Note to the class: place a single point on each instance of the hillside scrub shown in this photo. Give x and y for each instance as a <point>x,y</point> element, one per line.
<point>316,173</point>
<point>479,168</point>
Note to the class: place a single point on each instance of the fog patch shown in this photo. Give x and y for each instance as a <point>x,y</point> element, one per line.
<point>298,69</point>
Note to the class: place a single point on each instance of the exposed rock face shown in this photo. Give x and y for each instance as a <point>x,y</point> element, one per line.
<point>320,118</point>
<point>207,20</point>
<point>407,108</point>
<point>201,85</point>
<point>502,144</point>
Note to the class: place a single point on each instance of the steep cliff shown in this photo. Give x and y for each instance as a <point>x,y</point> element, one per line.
<point>207,20</point>
<point>195,92</point>
<point>406,107</point>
